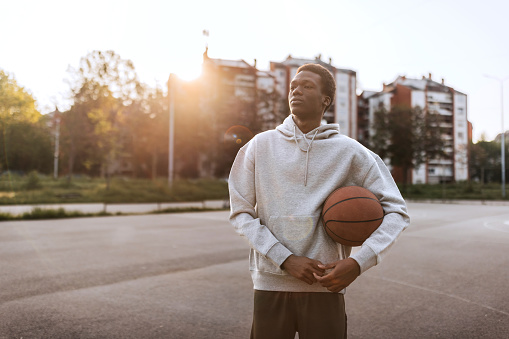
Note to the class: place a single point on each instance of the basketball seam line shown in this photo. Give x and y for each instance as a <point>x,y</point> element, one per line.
<point>354,221</point>
<point>354,241</point>
<point>351,199</point>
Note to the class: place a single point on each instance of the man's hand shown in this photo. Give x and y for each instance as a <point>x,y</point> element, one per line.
<point>343,273</point>
<point>303,268</point>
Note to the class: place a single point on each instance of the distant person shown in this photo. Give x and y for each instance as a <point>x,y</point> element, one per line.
<point>278,184</point>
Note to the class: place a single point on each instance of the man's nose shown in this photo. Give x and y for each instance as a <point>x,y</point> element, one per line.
<point>297,90</point>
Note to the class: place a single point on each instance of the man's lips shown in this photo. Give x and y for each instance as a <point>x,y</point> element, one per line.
<point>296,101</point>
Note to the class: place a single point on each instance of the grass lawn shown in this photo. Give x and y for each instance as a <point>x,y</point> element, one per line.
<point>454,191</point>
<point>37,189</point>
<point>41,189</point>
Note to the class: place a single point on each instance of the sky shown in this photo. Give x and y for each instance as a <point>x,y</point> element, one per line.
<point>460,41</point>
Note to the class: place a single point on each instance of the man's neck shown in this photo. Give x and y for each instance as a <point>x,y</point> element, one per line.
<point>306,126</point>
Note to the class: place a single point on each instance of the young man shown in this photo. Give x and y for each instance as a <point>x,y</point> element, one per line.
<point>278,184</point>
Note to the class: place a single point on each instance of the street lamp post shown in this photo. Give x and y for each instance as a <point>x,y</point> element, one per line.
<point>502,141</point>
<point>56,117</point>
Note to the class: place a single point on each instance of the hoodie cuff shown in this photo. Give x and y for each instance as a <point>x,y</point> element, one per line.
<point>365,257</point>
<point>278,254</point>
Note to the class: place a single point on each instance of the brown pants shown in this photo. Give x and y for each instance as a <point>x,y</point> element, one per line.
<point>280,315</point>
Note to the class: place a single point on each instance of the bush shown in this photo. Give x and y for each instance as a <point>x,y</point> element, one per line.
<point>6,217</point>
<point>33,181</point>
<point>40,213</point>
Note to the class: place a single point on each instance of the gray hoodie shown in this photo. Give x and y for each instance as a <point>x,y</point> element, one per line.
<point>278,184</point>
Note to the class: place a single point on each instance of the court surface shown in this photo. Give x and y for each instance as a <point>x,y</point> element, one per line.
<point>186,276</point>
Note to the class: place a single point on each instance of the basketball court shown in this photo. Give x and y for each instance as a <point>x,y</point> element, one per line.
<point>186,276</point>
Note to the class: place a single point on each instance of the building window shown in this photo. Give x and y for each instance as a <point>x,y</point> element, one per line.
<point>460,135</point>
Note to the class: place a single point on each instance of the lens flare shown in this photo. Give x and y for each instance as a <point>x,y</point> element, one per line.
<point>237,135</point>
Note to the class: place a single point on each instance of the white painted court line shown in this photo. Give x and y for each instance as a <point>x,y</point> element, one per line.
<point>442,293</point>
<point>494,226</point>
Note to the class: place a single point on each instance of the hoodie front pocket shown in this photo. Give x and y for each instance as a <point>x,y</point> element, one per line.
<point>294,232</point>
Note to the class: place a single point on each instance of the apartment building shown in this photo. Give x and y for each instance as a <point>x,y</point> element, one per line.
<point>344,109</point>
<point>431,96</point>
<point>242,93</point>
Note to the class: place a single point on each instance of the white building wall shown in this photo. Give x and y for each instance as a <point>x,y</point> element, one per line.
<point>419,175</point>
<point>353,105</point>
<point>418,98</point>
<point>280,75</point>
<point>293,72</point>
<point>342,104</point>
<point>266,108</point>
<point>460,137</point>
<point>439,97</point>
<point>265,83</point>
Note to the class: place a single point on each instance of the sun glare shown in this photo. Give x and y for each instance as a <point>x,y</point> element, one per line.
<point>188,71</point>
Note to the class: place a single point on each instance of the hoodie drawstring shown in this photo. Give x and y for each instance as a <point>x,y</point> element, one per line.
<point>304,150</point>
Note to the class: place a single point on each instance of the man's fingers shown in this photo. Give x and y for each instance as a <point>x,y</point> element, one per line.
<point>309,280</point>
<point>327,267</point>
<point>329,282</point>
<point>303,268</point>
<point>325,281</point>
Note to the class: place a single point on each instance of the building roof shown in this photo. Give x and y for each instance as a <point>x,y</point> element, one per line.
<point>297,62</point>
<point>368,94</point>
<point>231,63</point>
<point>226,63</point>
<point>419,84</point>
<point>264,74</point>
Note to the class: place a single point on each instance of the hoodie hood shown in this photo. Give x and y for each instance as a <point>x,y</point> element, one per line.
<point>304,141</point>
<point>290,129</point>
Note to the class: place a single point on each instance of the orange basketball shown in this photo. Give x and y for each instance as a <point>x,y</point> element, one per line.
<point>350,214</point>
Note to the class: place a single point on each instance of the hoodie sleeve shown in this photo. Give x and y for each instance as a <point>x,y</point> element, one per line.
<point>243,216</point>
<point>380,182</point>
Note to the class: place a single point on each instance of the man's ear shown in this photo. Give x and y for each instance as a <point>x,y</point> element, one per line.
<point>326,101</point>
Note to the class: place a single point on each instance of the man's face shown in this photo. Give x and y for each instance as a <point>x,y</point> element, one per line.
<point>306,98</point>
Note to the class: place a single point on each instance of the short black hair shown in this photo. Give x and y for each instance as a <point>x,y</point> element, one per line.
<point>328,82</point>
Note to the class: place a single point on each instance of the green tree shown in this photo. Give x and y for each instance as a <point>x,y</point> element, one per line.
<point>16,104</point>
<point>408,137</point>
<point>484,161</point>
<point>27,147</point>
<point>147,130</point>
<point>77,138</point>
<point>102,87</point>
<point>105,69</point>
<point>25,138</point>
<point>107,119</point>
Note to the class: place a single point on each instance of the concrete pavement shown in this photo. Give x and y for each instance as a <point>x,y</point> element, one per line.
<point>185,276</point>
<point>115,208</point>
